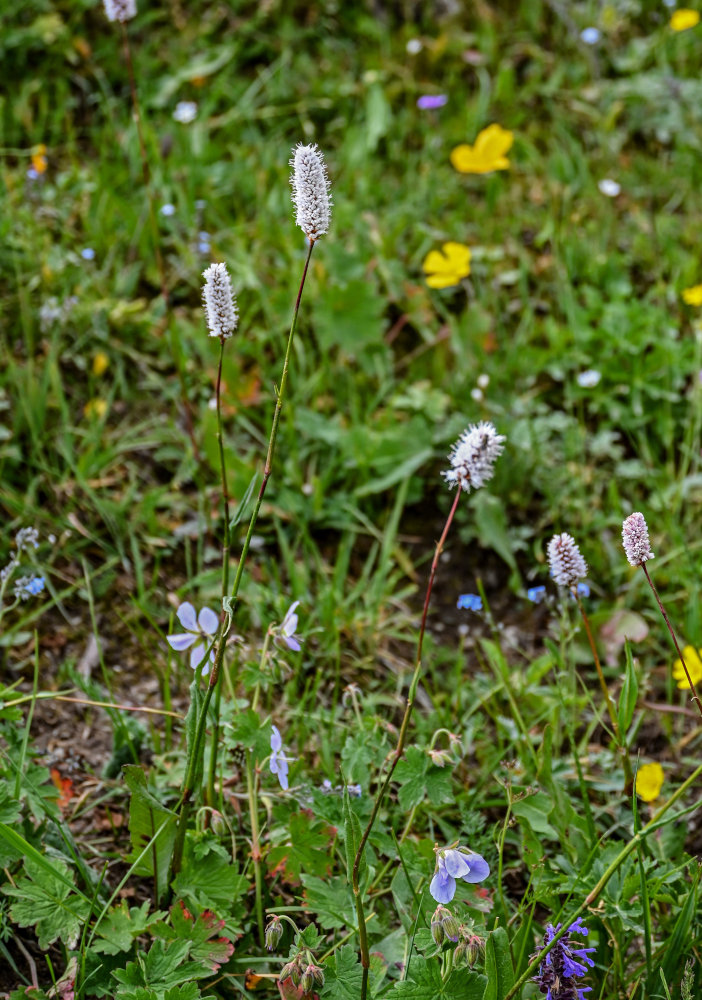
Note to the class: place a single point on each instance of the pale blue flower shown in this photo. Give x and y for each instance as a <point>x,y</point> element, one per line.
<point>452,864</point>
<point>28,586</point>
<point>167,209</point>
<point>536,594</point>
<point>590,36</point>
<point>588,379</point>
<point>285,632</point>
<point>203,627</point>
<point>87,253</point>
<point>278,760</point>
<point>471,602</point>
<point>185,112</point>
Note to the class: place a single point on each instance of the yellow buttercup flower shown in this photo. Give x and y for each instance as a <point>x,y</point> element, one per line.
<point>487,154</point>
<point>694,667</point>
<point>446,267</point>
<point>100,363</point>
<point>684,18</point>
<point>693,296</point>
<point>95,409</point>
<point>649,781</point>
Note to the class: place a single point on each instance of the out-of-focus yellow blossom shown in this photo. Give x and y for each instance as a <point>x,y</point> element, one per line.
<point>447,266</point>
<point>693,296</point>
<point>649,781</point>
<point>684,18</point>
<point>694,667</point>
<point>100,363</point>
<point>39,160</point>
<point>95,408</point>
<point>487,154</point>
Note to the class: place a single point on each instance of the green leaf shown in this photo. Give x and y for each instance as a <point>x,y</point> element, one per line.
<point>308,848</point>
<point>164,967</point>
<point>120,925</point>
<point>629,693</point>
<point>331,900</point>
<point>200,933</point>
<point>151,825</point>
<point>47,903</point>
<point>535,810</point>
<point>209,882</point>
<point>420,778</point>
<point>425,983</point>
<point>342,975</point>
<point>498,965</point>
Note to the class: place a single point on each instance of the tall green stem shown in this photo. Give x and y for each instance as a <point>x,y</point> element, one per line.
<point>193,757</point>
<point>252,792</point>
<point>695,696</point>
<point>622,748</point>
<point>601,883</point>
<point>226,546</point>
<point>363,936</point>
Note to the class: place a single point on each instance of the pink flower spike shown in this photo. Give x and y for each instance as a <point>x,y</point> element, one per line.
<point>635,539</point>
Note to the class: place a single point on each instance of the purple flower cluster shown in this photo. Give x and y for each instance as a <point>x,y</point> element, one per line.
<point>564,964</point>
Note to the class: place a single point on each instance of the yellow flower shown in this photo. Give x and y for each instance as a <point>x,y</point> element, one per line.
<point>693,296</point>
<point>95,409</point>
<point>684,18</point>
<point>694,667</point>
<point>100,363</point>
<point>649,780</point>
<point>487,154</point>
<point>446,267</point>
<point>39,160</point>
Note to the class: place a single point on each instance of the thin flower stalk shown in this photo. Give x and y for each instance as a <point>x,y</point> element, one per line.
<point>695,696</point>
<point>189,789</point>
<point>599,886</point>
<point>252,796</point>
<point>622,748</point>
<point>226,546</point>
<point>363,936</point>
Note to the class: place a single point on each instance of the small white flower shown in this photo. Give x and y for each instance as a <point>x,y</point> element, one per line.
<point>203,627</point>
<point>589,379</point>
<point>483,381</point>
<point>220,304</point>
<point>120,10</point>
<point>27,538</point>
<point>477,395</point>
<point>609,187</point>
<point>414,46</point>
<point>310,195</point>
<point>635,539</point>
<point>185,112</point>
<point>565,560</point>
<point>167,209</point>
<point>473,456</point>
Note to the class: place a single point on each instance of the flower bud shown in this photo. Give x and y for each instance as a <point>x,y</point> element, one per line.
<point>273,933</point>
<point>450,925</point>
<point>291,971</point>
<point>218,823</point>
<point>439,758</point>
<point>307,981</point>
<point>474,949</point>
<point>317,974</point>
<point>437,931</point>
<point>459,955</point>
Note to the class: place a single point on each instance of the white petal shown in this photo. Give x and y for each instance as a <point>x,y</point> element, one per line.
<point>186,616</point>
<point>208,621</point>
<point>180,641</point>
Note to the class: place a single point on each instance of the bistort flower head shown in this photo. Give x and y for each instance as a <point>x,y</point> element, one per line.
<point>473,456</point>
<point>451,864</point>
<point>565,561</point>
<point>219,301</point>
<point>203,627</point>
<point>310,193</point>
<point>635,539</point>
<point>120,10</point>
<point>564,964</point>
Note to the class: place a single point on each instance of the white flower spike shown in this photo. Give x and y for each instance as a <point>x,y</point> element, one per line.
<point>565,560</point>
<point>473,456</point>
<point>635,539</point>
<point>219,301</point>
<point>310,193</point>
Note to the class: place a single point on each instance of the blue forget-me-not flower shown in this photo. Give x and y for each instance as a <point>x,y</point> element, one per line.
<point>471,602</point>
